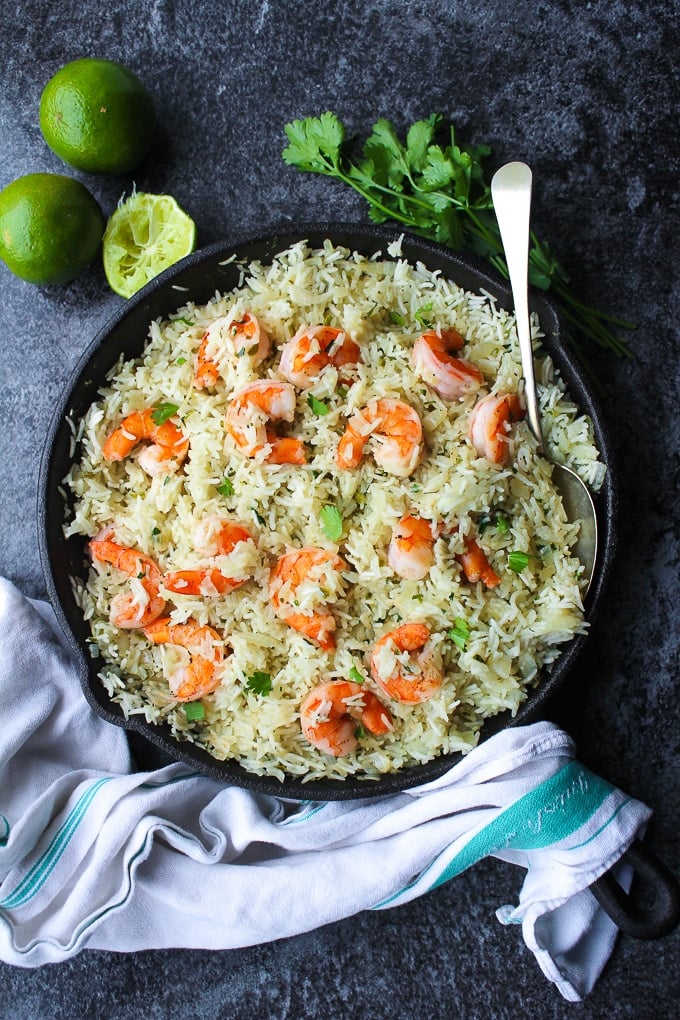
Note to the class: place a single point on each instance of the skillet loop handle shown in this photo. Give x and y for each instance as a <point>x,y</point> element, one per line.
<point>650,912</point>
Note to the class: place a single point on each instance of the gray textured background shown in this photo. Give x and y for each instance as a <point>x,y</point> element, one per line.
<point>586,94</point>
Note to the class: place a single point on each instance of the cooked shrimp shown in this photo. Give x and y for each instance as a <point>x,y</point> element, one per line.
<point>490,422</point>
<point>168,446</point>
<point>396,433</point>
<point>142,604</point>
<point>286,593</point>
<point>475,565</point>
<point>242,334</point>
<point>312,349</point>
<point>411,549</point>
<point>218,536</point>
<point>450,377</point>
<point>201,676</point>
<point>247,418</point>
<point>205,581</point>
<point>214,536</point>
<point>402,675</point>
<point>330,712</point>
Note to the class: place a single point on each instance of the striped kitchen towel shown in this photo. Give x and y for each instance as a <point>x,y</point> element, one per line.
<point>96,856</point>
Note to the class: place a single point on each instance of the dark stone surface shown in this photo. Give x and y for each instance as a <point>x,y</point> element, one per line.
<point>587,95</point>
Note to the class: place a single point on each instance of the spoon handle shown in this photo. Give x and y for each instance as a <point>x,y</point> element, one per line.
<point>511,194</point>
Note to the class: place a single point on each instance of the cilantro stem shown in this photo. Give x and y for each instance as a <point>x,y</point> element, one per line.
<point>614,320</point>
<point>391,214</point>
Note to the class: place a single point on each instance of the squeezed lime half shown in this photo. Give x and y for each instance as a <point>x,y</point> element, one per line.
<point>145,235</point>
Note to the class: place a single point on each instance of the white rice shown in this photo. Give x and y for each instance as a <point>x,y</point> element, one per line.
<point>515,629</point>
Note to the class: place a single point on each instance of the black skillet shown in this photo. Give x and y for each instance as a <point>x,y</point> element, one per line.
<point>197,278</point>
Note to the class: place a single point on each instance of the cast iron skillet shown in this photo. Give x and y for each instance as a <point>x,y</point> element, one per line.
<point>196,278</point>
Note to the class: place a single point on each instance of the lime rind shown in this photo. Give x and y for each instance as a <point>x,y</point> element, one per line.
<point>51,228</point>
<point>145,235</point>
<point>96,115</point>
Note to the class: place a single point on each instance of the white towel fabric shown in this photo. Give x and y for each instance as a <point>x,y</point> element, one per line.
<point>95,856</point>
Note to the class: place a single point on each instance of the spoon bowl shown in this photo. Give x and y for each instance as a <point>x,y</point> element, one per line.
<point>511,194</point>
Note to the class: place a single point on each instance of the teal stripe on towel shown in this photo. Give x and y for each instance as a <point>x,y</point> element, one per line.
<point>308,808</point>
<point>546,815</point>
<point>45,865</point>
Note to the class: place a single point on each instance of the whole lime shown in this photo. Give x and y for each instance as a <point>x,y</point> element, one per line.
<point>50,228</point>
<point>97,116</point>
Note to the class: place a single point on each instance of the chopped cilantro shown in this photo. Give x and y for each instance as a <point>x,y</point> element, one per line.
<point>194,710</point>
<point>356,676</point>
<point>258,516</point>
<point>155,532</point>
<point>499,521</point>
<point>421,316</point>
<point>397,318</point>
<point>331,522</point>
<point>259,682</point>
<point>517,561</point>
<point>460,632</point>
<point>225,488</point>
<point>181,360</point>
<point>317,406</point>
<point>161,412</point>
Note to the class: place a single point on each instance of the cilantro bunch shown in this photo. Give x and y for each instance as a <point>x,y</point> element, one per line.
<point>440,191</point>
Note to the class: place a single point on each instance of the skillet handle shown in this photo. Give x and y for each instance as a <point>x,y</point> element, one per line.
<point>643,916</point>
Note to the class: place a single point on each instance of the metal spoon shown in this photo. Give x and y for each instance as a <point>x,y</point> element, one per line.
<point>511,194</point>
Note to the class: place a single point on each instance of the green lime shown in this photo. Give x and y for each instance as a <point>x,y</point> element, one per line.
<point>50,227</point>
<point>97,116</point>
<point>145,235</point>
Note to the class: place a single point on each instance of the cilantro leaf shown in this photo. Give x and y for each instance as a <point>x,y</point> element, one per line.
<point>194,710</point>
<point>331,522</point>
<point>162,412</point>
<point>517,561</point>
<point>438,171</point>
<point>418,140</point>
<point>226,487</point>
<point>315,143</point>
<point>501,524</point>
<point>356,676</point>
<point>387,155</point>
<point>318,407</point>
<point>421,316</point>
<point>259,682</point>
<point>460,632</point>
